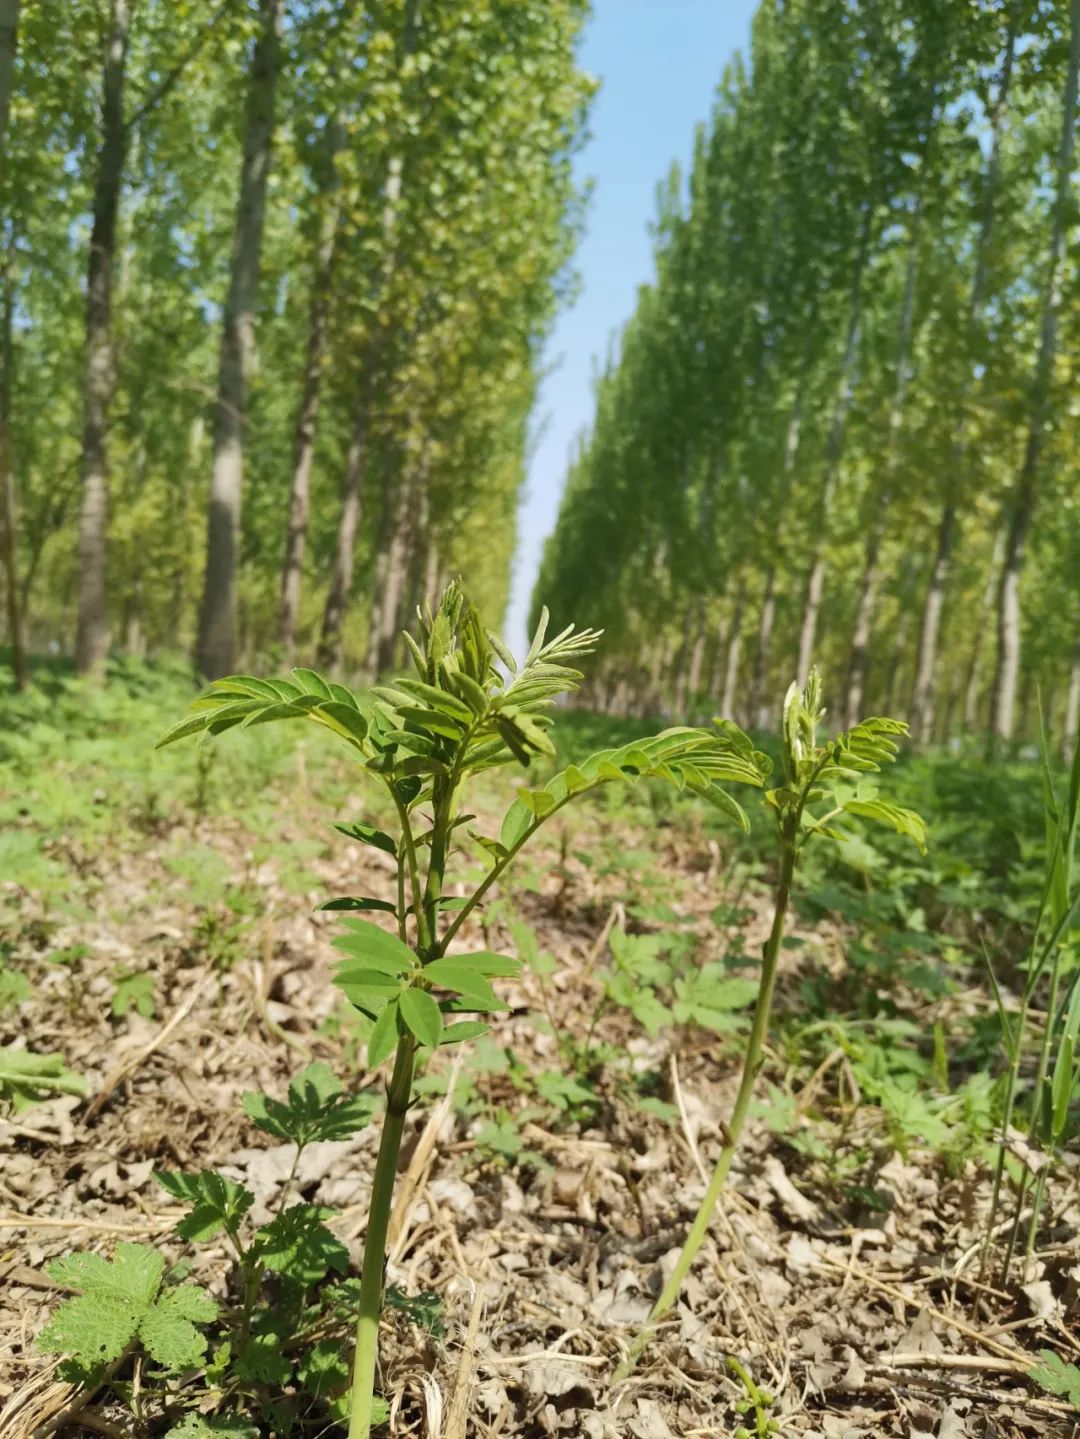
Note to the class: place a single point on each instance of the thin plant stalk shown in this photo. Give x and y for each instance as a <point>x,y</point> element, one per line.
<point>1057,901</point>
<point>812,773</point>
<point>399,1095</point>
<point>751,1066</point>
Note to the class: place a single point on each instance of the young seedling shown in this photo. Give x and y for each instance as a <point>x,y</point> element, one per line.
<point>821,783</point>
<point>278,1333</point>
<point>469,708</point>
<point>1055,1063</point>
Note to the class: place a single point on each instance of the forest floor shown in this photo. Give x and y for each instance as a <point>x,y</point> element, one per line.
<point>551,1170</point>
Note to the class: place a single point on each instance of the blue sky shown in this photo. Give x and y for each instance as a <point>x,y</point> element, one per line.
<point>658,62</point>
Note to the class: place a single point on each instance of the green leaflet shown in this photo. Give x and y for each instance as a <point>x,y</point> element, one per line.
<point>376,947</point>
<point>384,1034</point>
<point>421,1016</point>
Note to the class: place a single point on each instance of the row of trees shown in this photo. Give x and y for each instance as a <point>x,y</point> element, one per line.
<point>841,423</point>
<point>285,264</point>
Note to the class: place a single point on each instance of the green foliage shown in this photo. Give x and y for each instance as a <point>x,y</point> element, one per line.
<point>286,1280</point>
<point>468,708</point>
<point>1056,1377</point>
<point>135,989</point>
<point>121,1301</point>
<point>25,1077</point>
<point>805,439</point>
<point>216,1203</point>
<point>813,773</point>
<point>433,307</point>
<point>316,1108</point>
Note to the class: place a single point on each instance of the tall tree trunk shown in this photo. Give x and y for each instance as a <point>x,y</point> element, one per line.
<point>883,497</point>
<point>337,598</point>
<point>352,489</point>
<point>413,597</point>
<point>9,27</point>
<point>1025,494</point>
<point>922,701</point>
<point>307,417</point>
<point>757,710</point>
<point>9,30</point>
<point>695,669</point>
<point>734,650</point>
<point>982,625</point>
<point>691,657</point>
<point>393,576</point>
<point>92,635</point>
<point>433,587</point>
<point>1071,731</point>
<point>834,452</point>
<point>217,641</point>
<point>8,512</point>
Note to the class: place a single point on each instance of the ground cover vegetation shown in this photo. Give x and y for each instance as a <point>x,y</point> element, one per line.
<point>210,993</point>
<point>652,1037</point>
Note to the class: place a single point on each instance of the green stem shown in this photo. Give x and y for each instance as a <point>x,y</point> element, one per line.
<point>440,848</point>
<point>1039,1103</point>
<point>751,1064</point>
<point>414,868</point>
<point>398,1096</point>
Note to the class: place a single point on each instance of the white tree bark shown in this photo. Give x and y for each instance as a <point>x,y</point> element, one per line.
<point>92,634</point>
<point>307,417</point>
<point>1071,734</point>
<point>1025,494</point>
<point>758,711</point>
<point>922,701</point>
<point>9,26</point>
<point>217,642</point>
<point>871,574</point>
<point>834,453</point>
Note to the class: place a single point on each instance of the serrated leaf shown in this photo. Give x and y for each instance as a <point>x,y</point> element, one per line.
<point>216,1202</point>
<point>190,1301</point>
<point>217,1426</point>
<point>323,1370</point>
<point>1057,1377</point>
<point>93,1329</point>
<point>261,1359</point>
<point>119,1300</point>
<point>315,1109</point>
<point>134,1273</point>
<point>297,1244</point>
<point>171,1339</point>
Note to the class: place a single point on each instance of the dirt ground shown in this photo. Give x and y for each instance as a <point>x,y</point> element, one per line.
<point>864,1320</point>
